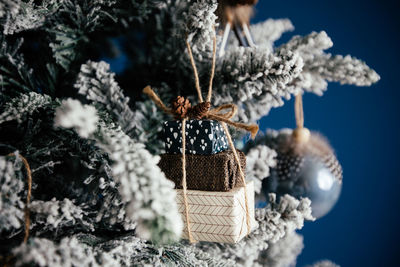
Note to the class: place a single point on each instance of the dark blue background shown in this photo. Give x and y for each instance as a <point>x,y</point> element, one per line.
<point>362,125</point>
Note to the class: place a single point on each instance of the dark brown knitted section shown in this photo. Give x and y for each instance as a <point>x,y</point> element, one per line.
<point>218,172</point>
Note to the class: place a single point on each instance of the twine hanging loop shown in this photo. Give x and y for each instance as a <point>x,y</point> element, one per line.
<point>301,135</point>
<point>203,110</point>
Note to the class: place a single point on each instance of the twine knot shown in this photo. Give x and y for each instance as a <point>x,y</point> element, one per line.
<point>199,111</point>
<point>181,108</point>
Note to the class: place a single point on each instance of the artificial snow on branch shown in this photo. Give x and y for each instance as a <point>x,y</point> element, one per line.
<point>98,196</point>
<point>345,70</point>
<point>283,253</point>
<point>26,15</point>
<point>69,252</point>
<point>97,83</point>
<point>276,220</point>
<point>320,68</point>
<point>9,7</point>
<point>15,75</point>
<point>55,215</point>
<point>11,203</point>
<point>267,32</point>
<point>21,107</point>
<point>148,127</point>
<point>259,160</point>
<point>148,196</point>
<point>255,76</point>
<point>201,23</point>
<point>72,114</point>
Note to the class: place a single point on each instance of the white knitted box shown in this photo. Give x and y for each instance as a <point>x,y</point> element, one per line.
<point>218,216</point>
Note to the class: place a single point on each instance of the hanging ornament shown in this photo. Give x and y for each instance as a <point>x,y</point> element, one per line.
<point>306,167</point>
<point>234,15</point>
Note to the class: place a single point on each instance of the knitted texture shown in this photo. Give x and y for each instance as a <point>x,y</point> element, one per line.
<point>218,172</point>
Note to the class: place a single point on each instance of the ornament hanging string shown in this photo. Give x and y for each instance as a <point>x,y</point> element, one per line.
<point>301,135</point>
<point>233,112</point>
<point>184,185</point>
<point>299,113</point>
<point>200,111</point>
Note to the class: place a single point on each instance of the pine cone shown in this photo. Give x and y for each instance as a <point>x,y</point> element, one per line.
<point>180,106</point>
<point>199,111</point>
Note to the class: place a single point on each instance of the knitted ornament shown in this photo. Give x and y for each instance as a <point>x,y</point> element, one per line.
<point>306,167</point>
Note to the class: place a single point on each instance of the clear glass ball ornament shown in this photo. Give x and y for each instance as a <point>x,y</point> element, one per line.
<point>305,176</point>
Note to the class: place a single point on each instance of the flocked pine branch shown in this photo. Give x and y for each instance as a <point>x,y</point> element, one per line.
<point>71,26</point>
<point>97,83</point>
<point>27,15</point>
<point>9,6</point>
<point>267,32</point>
<point>274,221</point>
<point>256,78</point>
<point>21,107</point>
<point>51,147</point>
<point>320,68</point>
<point>259,160</point>
<point>201,24</point>
<point>109,182</point>
<point>15,75</point>
<point>119,251</point>
<point>345,70</point>
<point>148,127</point>
<point>156,218</point>
<point>55,215</point>
<point>282,253</point>
<point>69,252</point>
<point>11,189</point>
<point>148,195</point>
<point>72,114</point>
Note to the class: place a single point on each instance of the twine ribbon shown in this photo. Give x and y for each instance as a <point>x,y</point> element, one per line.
<point>301,134</point>
<point>28,200</point>
<point>299,113</point>
<point>222,113</point>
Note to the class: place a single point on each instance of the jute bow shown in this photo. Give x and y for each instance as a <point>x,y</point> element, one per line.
<point>212,114</point>
<point>222,113</point>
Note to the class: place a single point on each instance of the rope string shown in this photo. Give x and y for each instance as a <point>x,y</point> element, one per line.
<point>242,176</point>
<point>298,107</point>
<point>196,75</point>
<point>222,113</point>
<point>213,114</point>
<point>210,85</point>
<point>184,186</point>
<point>28,196</point>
